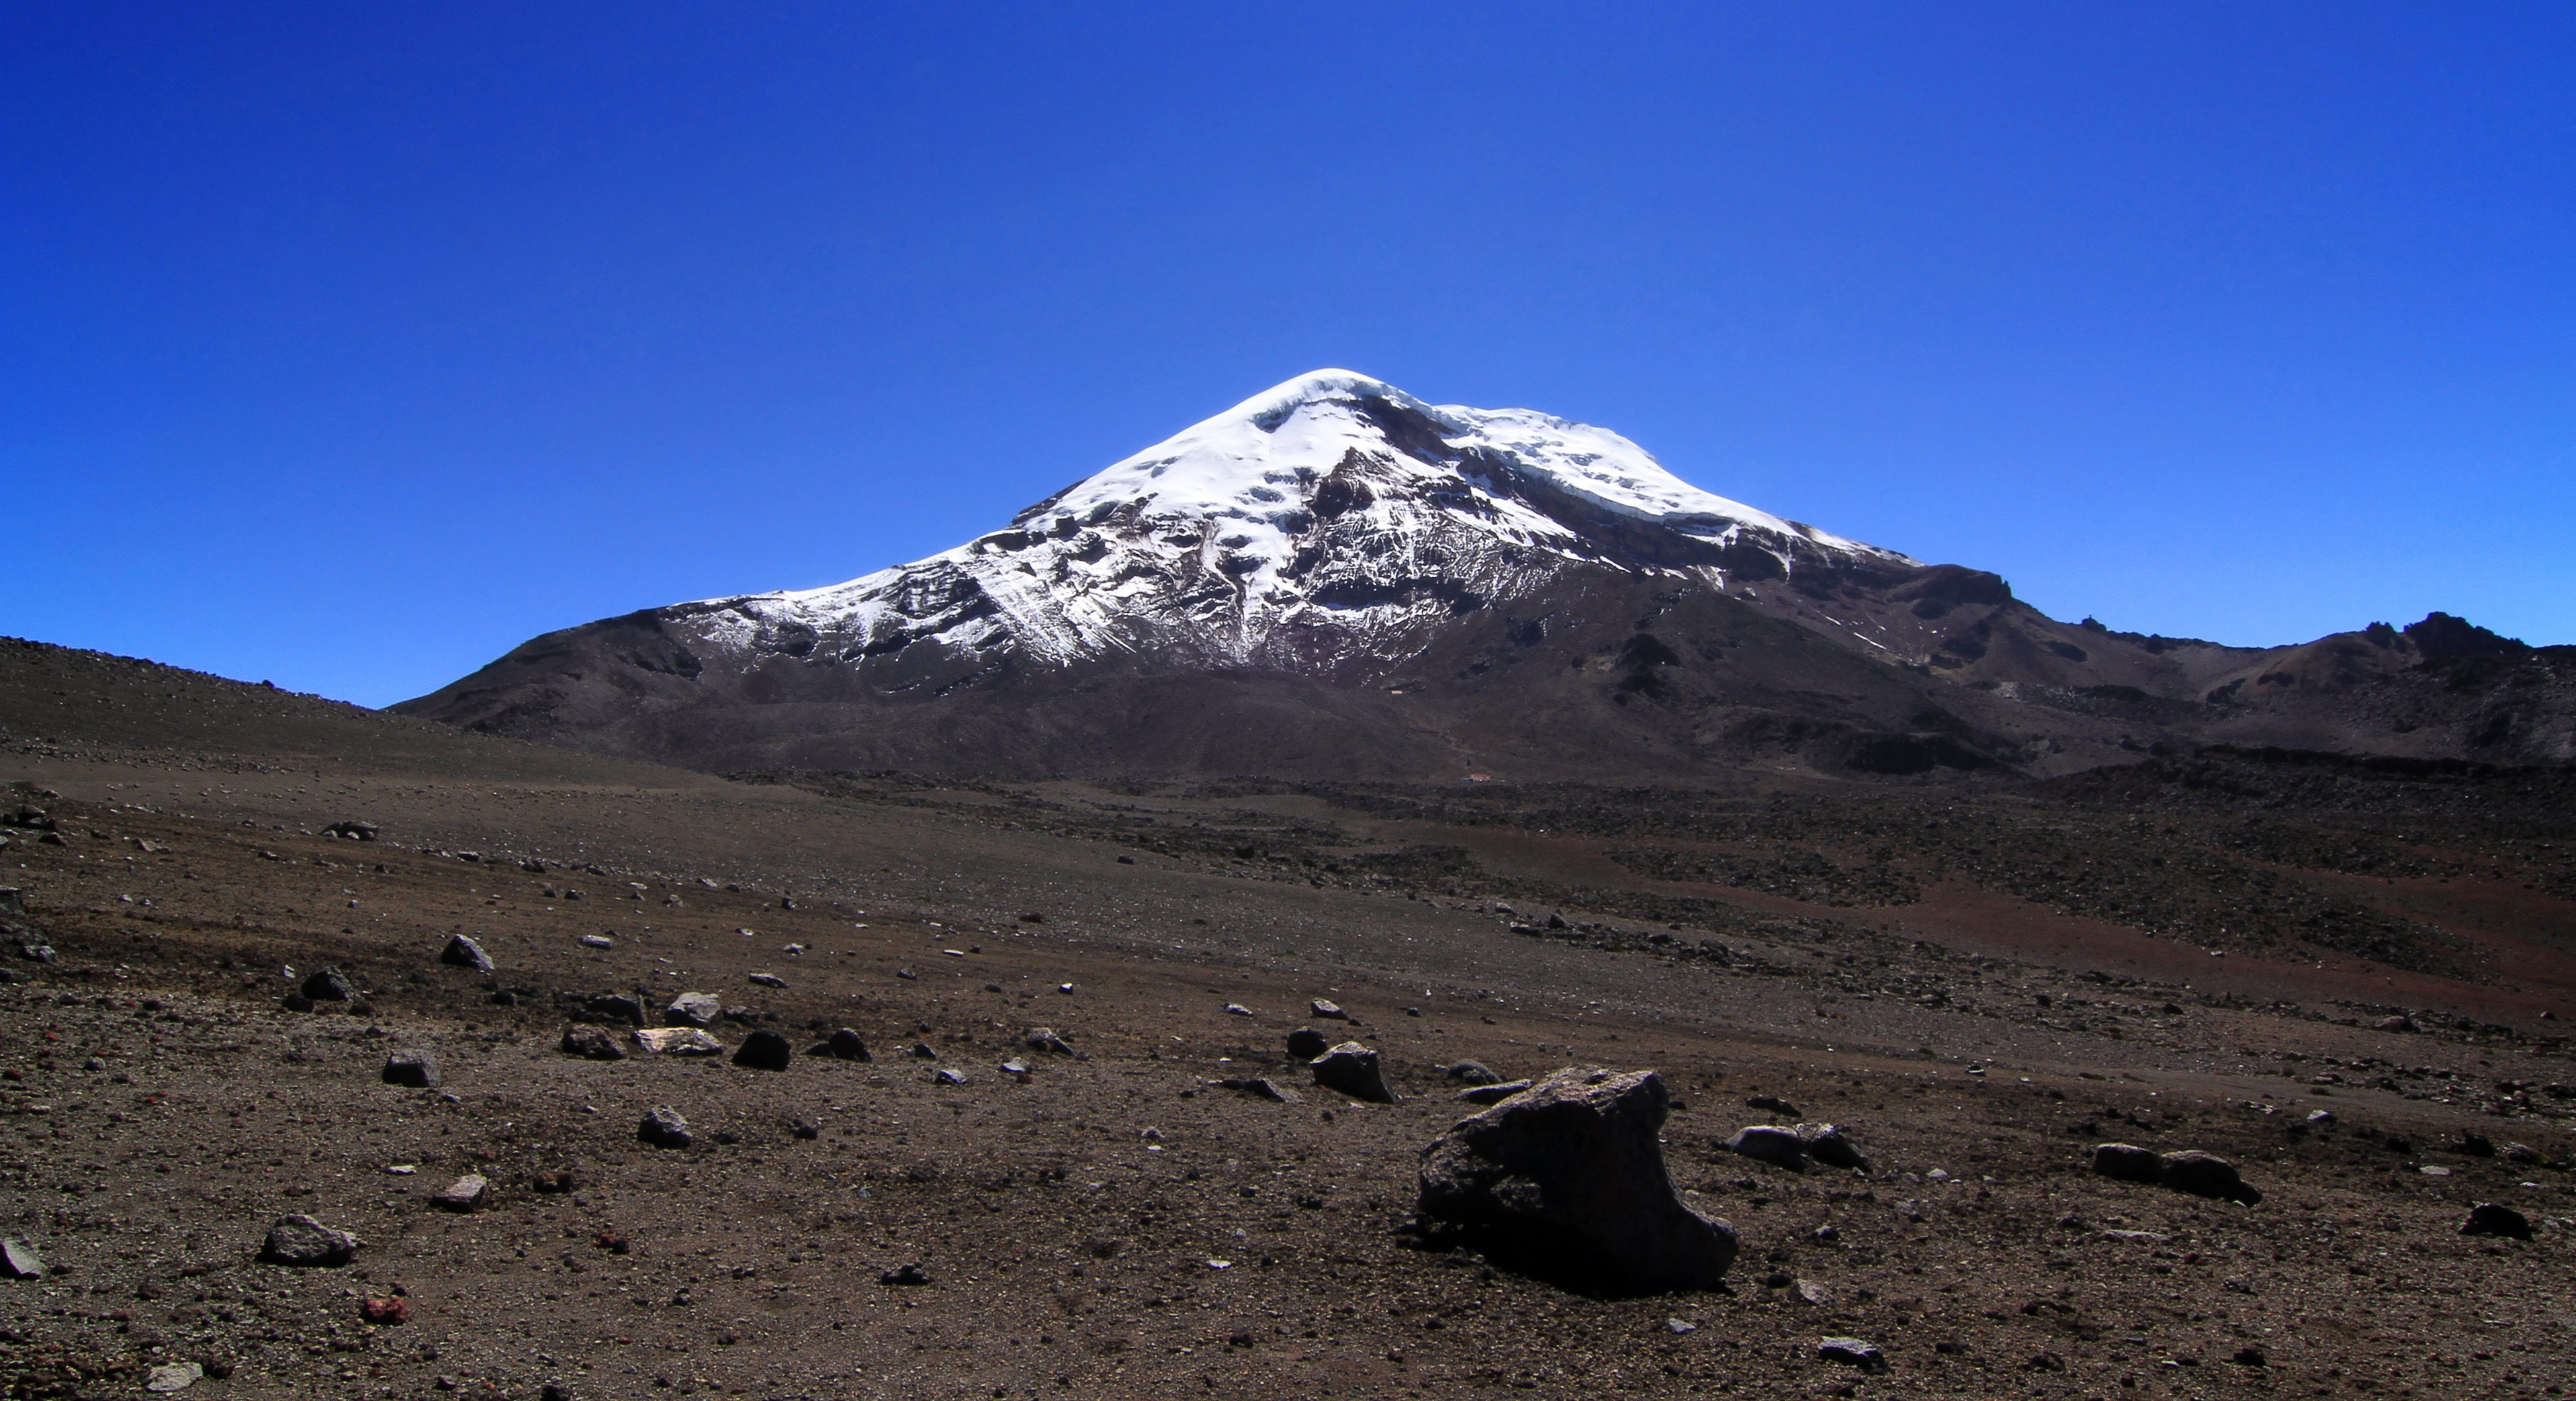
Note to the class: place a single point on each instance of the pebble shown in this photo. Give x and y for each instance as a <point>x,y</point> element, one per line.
<point>677,1041</point>
<point>598,941</point>
<point>1770,1143</point>
<point>1330,1011</point>
<point>173,1376</point>
<point>1680,1326</point>
<point>694,1009</point>
<point>1044,1039</point>
<point>462,952</point>
<point>1853,1352</point>
<point>2496,1219</point>
<point>664,1128</point>
<point>417,1070</point>
<point>905,1275</point>
<point>1306,1043</point>
<point>768,980</point>
<point>949,1075</point>
<point>19,1260</point>
<point>847,1045</point>
<point>466,1193</point>
<point>303,1241</point>
<point>1237,1009</point>
<point>592,1042</point>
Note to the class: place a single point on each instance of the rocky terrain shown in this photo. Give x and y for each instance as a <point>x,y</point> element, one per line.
<point>1336,580</point>
<point>1060,1172</point>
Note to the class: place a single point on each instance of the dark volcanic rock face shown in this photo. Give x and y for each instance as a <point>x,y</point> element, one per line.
<point>1335,579</point>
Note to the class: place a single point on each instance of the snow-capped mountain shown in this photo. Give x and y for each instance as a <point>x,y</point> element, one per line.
<point>1320,526</point>
<point>1335,578</point>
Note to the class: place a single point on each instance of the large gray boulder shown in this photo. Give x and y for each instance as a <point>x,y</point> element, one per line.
<point>1566,1180</point>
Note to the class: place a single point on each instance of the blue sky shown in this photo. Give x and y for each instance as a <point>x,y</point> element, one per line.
<point>350,345</point>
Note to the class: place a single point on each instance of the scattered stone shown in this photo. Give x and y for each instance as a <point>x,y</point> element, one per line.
<point>2476,1145</point>
<point>1016,1067</point>
<point>303,1241</point>
<point>765,1050</point>
<point>769,980</point>
<point>921,1051</point>
<point>2496,1219</point>
<point>1044,1039</point>
<point>2251,1356</point>
<point>19,1260</point>
<point>467,1193</point>
<point>416,1070</point>
<point>1680,1327</point>
<point>329,985</point>
<point>1773,1103</point>
<point>597,941</point>
<point>677,1041</point>
<point>1826,1144</point>
<point>1472,1072</point>
<point>1567,1180</point>
<point>353,831</point>
<point>556,1183</point>
<point>2396,1023</point>
<point>806,1129</point>
<point>1826,1234</point>
<point>173,1376</point>
<point>2321,1118</point>
<point>462,952</point>
<point>2519,1153</point>
<point>2207,1175</point>
<point>1261,1087</point>
<point>905,1276</point>
<point>1807,1291</point>
<point>385,1310</point>
<point>1770,1143</point>
<point>1852,1352</point>
<point>1237,1009</point>
<point>1306,1043</point>
<point>1330,1011</point>
<point>2139,1237</point>
<point>949,1075</point>
<point>664,1128</point>
<point>847,1045</point>
<point>623,1008</point>
<point>592,1042</point>
<point>1492,1094</point>
<point>694,1009</point>
<point>1353,1069</point>
<point>2127,1162</point>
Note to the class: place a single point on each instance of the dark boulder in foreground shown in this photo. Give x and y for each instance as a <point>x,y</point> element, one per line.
<point>765,1050</point>
<point>2496,1219</point>
<point>2198,1173</point>
<point>1353,1069</point>
<point>301,1240</point>
<point>1566,1181</point>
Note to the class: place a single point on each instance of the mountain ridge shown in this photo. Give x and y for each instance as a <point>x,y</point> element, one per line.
<point>1334,577</point>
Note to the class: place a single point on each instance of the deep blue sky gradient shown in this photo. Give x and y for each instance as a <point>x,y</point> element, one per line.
<point>349,345</point>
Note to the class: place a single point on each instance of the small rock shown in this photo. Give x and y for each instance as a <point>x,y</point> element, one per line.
<point>768,980</point>
<point>2206,1175</point>
<point>1680,1327</point>
<point>765,1050</point>
<point>462,952</point>
<point>1353,1069</point>
<point>2253,1356</point>
<point>19,1260</point>
<point>694,1009</point>
<point>921,1051</point>
<point>1826,1144</point>
<point>664,1128</point>
<point>1329,1011</point>
<point>329,985</point>
<point>847,1045</point>
<point>1261,1087</point>
<point>677,1041</point>
<point>592,1042</point>
<point>556,1182</point>
<point>2519,1153</point>
<point>385,1310</point>
<point>1472,1072</point>
<point>2321,1118</point>
<point>1852,1352</point>
<point>2127,1162</point>
<point>1772,1103</point>
<point>1016,1067</point>
<point>622,1008</point>
<point>416,1070</point>
<point>1492,1094</point>
<point>1044,1039</point>
<point>906,1276</point>
<point>1770,1143</point>
<point>1807,1291</point>
<point>303,1241</point>
<point>173,1376</point>
<point>1237,1009</point>
<point>2496,1219</point>
<point>597,941</point>
<point>1306,1043</point>
<point>1825,1235</point>
<point>2476,1145</point>
<point>948,1075</point>
<point>466,1193</point>
<point>2397,1023</point>
<point>806,1129</point>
